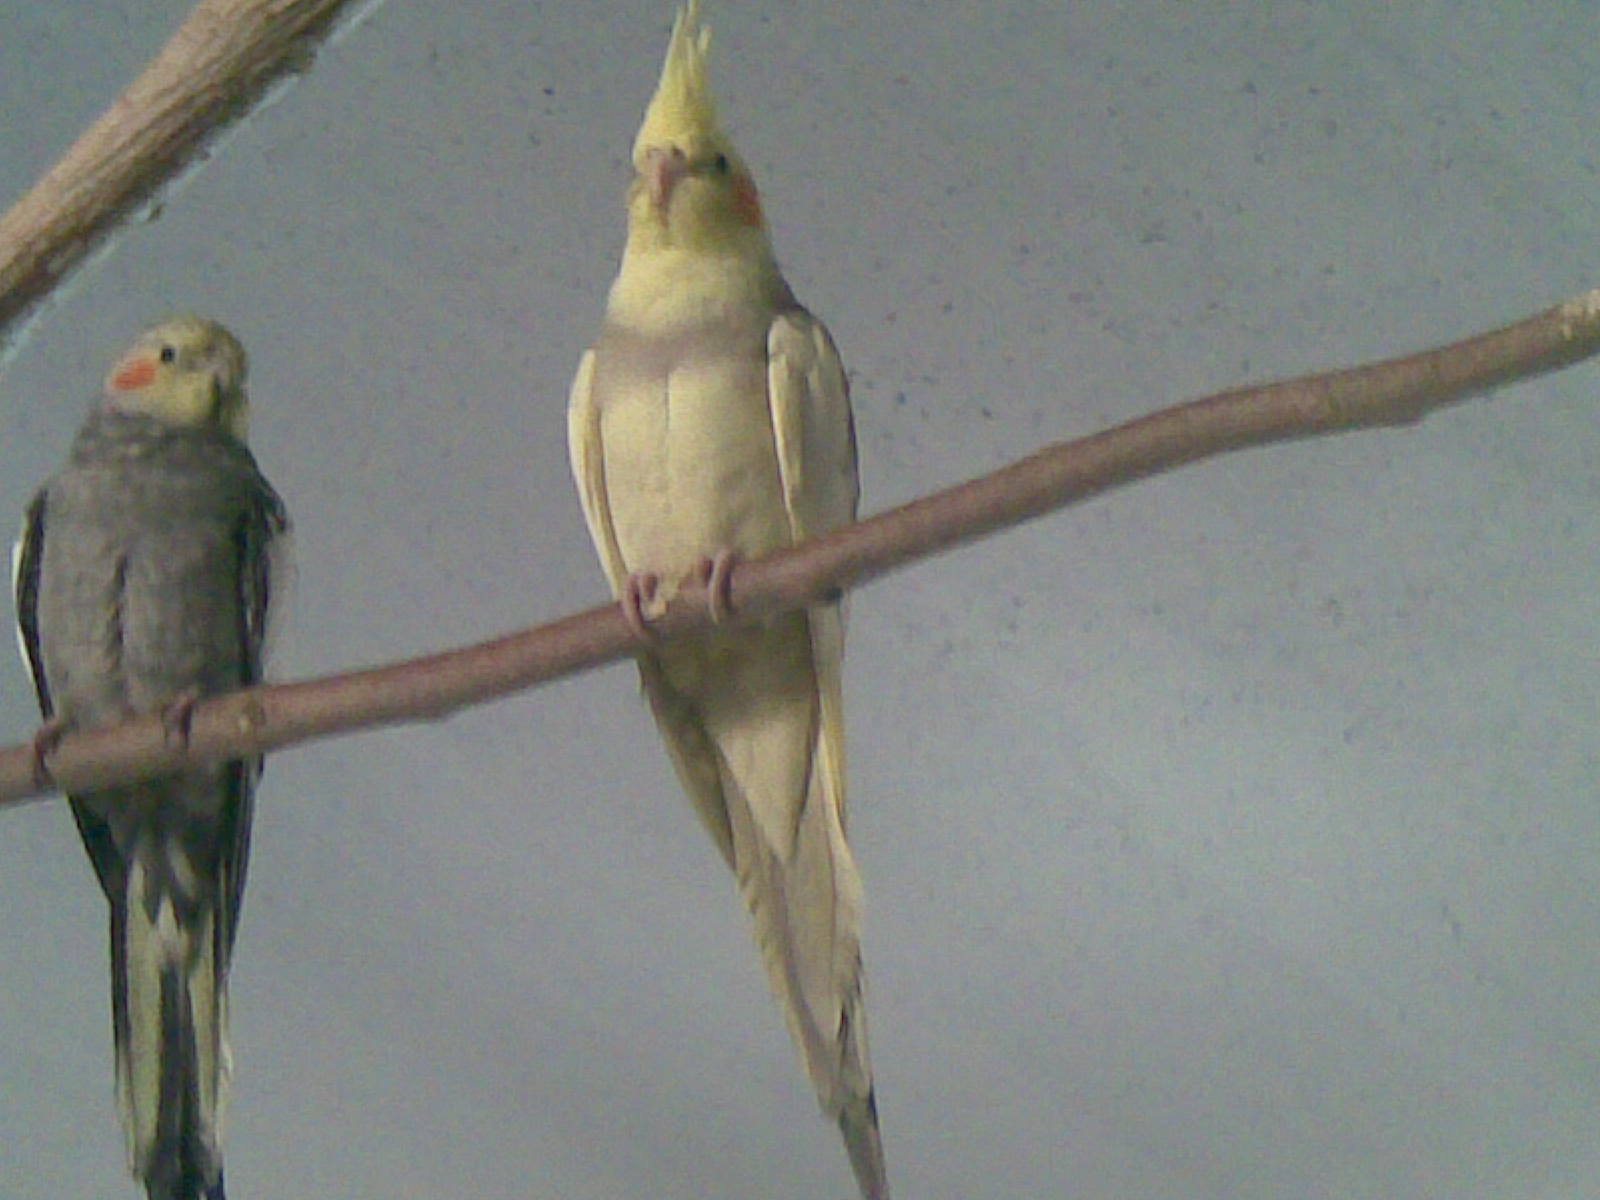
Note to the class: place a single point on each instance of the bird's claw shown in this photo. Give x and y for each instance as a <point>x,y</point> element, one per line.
<point>45,740</point>
<point>639,590</point>
<point>177,718</point>
<point>716,573</point>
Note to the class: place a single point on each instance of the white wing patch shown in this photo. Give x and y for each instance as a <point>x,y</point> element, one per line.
<point>16,580</point>
<point>24,595</point>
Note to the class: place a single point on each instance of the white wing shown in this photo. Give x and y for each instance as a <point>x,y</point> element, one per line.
<point>588,469</point>
<point>812,422</point>
<point>816,439</point>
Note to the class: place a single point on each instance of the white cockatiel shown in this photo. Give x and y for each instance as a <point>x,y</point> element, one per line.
<point>710,420</point>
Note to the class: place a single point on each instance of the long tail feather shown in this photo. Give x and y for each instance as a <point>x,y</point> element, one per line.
<point>858,1122</point>
<point>758,745</point>
<point>807,918</point>
<point>170,1007</point>
<point>804,894</point>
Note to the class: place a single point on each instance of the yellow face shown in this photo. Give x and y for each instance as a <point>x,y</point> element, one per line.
<point>693,193</point>
<point>188,372</point>
<point>690,190</point>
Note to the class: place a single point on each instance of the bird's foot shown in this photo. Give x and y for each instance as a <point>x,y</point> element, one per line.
<point>45,740</point>
<point>177,717</point>
<point>716,573</point>
<point>639,591</point>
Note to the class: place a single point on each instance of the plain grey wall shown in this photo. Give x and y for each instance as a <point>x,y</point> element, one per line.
<point>1231,836</point>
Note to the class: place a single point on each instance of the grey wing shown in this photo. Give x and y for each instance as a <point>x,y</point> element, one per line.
<point>265,572</point>
<point>27,558</point>
<point>26,555</point>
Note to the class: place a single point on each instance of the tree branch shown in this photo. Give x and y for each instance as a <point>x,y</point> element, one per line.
<point>1396,392</point>
<point>212,71</point>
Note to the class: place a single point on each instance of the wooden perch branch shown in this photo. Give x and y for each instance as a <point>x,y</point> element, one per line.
<point>217,65</point>
<point>1398,391</point>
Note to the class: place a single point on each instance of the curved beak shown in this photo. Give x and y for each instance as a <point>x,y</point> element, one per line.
<point>662,168</point>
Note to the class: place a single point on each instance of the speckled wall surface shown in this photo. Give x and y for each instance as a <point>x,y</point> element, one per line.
<point>1233,836</point>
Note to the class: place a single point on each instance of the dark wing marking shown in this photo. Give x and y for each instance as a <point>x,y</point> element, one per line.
<point>25,581</point>
<point>109,867</point>
<point>263,524</point>
<point>259,531</point>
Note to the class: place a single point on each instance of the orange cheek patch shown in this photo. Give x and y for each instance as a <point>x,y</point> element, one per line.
<point>135,373</point>
<point>746,202</point>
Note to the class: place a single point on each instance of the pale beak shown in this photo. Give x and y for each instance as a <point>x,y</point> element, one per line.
<point>661,170</point>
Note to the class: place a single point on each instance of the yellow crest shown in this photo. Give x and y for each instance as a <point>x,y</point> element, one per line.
<point>681,110</point>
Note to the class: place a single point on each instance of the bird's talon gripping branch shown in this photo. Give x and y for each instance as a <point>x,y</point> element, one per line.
<point>177,718</point>
<point>45,740</point>
<point>716,573</point>
<point>638,591</point>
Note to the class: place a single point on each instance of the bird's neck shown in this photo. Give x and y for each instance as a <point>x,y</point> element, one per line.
<point>662,289</point>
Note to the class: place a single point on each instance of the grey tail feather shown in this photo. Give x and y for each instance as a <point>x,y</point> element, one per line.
<point>178,1166</point>
<point>858,1122</point>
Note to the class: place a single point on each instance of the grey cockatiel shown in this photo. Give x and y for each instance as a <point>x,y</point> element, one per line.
<point>143,581</point>
<point>712,419</point>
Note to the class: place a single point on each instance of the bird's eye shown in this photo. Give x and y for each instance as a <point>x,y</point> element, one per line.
<point>719,164</point>
<point>168,353</point>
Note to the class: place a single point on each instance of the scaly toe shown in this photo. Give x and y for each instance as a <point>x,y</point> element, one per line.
<point>177,718</point>
<point>45,740</point>
<point>716,573</point>
<point>638,590</point>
